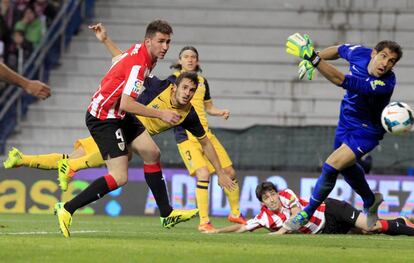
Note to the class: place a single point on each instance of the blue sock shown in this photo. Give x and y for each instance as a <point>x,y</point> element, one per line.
<point>355,177</point>
<point>324,185</point>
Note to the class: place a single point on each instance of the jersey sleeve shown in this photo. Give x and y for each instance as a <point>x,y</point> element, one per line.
<point>134,81</point>
<point>254,223</point>
<point>369,86</point>
<point>345,51</point>
<point>207,96</point>
<point>134,71</point>
<point>289,199</point>
<point>192,124</point>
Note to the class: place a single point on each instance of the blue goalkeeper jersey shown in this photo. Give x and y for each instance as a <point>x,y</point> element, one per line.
<point>366,95</point>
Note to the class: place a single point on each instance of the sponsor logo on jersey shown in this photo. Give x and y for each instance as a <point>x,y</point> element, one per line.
<point>376,83</point>
<point>138,84</point>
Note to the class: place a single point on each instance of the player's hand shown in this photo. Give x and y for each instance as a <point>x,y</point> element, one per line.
<point>300,46</point>
<point>225,113</point>
<point>170,117</point>
<point>100,31</point>
<point>38,89</point>
<point>306,68</point>
<point>225,181</point>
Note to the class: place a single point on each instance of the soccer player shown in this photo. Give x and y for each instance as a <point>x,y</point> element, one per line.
<point>113,126</point>
<point>191,151</point>
<point>33,87</point>
<point>331,217</point>
<point>369,87</point>
<point>164,95</point>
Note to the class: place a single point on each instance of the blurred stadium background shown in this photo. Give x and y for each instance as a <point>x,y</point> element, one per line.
<point>277,122</point>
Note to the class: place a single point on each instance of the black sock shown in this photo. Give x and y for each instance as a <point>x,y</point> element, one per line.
<point>396,227</point>
<point>156,183</point>
<point>97,189</point>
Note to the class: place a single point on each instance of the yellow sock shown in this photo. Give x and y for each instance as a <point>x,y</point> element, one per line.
<point>86,161</point>
<point>233,197</point>
<point>202,200</point>
<point>45,161</point>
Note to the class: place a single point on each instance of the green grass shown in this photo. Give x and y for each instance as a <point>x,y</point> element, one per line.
<point>34,238</point>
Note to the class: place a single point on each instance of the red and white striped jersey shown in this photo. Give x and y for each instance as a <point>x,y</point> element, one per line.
<point>126,76</point>
<point>274,220</point>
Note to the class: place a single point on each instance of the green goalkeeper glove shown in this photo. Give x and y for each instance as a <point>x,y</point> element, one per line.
<point>302,47</point>
<point>306,68</point>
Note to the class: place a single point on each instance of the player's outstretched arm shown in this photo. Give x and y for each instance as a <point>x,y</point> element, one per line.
<point>307,69</point>
<point>214,111</point>
<point>102,35</point>
<point>224,180</point>
<point>237,228</point>
<point>33,87</point>
<point>329,53</point>
<point>331,73</point>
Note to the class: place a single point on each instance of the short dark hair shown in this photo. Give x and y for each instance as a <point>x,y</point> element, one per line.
<point>155,26</point>
<point>178,66</point>
<point>264,187</point>
<point>392,46</point>
<point>193,76</point>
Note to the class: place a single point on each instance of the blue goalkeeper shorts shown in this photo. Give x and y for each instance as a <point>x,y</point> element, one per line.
<point>360,141</point>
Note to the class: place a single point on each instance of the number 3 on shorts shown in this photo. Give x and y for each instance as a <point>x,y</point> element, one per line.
<point>188,155</point>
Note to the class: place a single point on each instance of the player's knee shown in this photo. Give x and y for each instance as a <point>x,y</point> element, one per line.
<point>203,174</point>
<point>156,154</point>
<point>152,155</point>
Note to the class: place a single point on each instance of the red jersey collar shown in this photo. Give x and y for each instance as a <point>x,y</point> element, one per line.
<point>147,56</point>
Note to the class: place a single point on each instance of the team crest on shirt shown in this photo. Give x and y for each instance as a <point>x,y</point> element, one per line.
<point>155,106</point>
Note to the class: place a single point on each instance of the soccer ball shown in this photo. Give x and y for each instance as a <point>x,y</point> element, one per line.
<point>397,118</point>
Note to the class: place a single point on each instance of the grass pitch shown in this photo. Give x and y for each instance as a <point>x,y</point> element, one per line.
<point>35,238</point>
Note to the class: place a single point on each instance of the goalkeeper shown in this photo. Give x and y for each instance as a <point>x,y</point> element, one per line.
<point>368,88</point>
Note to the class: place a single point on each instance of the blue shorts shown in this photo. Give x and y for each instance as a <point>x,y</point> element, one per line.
<point>360,141</point>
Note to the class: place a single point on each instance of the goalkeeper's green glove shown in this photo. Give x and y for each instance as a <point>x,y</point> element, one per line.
<point>306,68</point>
<point>302,47</point>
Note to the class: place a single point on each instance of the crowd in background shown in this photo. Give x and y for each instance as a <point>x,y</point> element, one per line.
<point>22,25</point>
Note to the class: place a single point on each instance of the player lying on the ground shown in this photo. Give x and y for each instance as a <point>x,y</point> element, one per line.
<point>331,217</point>
<point>369,87</point>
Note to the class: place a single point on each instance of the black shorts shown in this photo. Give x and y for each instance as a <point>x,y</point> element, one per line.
<point>340,217</point>
<point>114,135</point>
